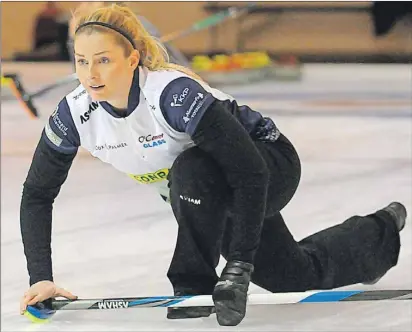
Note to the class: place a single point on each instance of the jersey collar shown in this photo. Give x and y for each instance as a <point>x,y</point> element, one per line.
<point>133,101</point>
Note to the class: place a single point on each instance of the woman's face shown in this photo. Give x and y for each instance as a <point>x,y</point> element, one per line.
<point>102,67</point>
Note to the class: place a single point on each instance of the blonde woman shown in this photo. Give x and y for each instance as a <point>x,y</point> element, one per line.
<point>175,56</point>
<point>226,170</point>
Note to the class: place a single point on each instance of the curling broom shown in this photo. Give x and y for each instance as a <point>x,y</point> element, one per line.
<point>40,314</point>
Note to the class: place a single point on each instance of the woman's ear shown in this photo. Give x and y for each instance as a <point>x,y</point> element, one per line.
<point>134,59</point>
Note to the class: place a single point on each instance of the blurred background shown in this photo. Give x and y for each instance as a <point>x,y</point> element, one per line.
<point>226,42</point>
<point>314,31</point>
<point>336,78</point>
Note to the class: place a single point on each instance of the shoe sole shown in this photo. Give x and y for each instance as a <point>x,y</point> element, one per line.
<point>230,304</point>
<point>398,212</point>
<point>184,313</point>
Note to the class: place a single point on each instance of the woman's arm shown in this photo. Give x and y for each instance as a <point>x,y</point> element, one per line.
<point>50,166</point>
<point>219,134</point>
<point>48,171</point>
<point>224,130</point>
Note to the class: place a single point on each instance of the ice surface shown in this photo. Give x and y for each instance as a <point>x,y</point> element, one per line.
<point>112,238</point>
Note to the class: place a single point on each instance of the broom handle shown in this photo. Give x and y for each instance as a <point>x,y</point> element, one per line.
<point>253,299</point>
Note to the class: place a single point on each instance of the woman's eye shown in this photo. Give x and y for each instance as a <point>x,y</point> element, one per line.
<point>81,61</point>
<point>105,60</point>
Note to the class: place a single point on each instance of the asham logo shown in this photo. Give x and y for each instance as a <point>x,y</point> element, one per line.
<point>86,115</point>
<point>113,304</point>
<point>190,200</point>
<point>179,99</point>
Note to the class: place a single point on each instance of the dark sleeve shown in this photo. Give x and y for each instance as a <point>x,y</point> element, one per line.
<point>183,103</point>
<point>51,162</point>
<point>60,132</point>
<point>222,136</point>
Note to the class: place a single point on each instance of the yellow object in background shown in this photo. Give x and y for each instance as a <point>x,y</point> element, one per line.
<point>256,60</point>
<point>220,62</point>
<point>234,62</point>
<point>5,81</point>
<point>201,63</point>
<point>261,60</point>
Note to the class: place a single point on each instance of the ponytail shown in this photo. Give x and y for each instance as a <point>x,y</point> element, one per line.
<point>153,54</point>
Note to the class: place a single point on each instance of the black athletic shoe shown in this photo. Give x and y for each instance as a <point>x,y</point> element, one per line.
<point>398,212</point>
<point>230,293</point>
<point>189,312</point>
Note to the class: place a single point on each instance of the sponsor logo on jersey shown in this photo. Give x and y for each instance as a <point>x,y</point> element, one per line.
<point>190,200</point>
<point>179,99</point>
<point>81,93</point>
<point>86,115</point>
<point>52,136</point>
<point>55,111</point>
<point>110,146</point>
<point>113,304</point>
<point>194,107</point>
<point>148,178</point>
<point>151,141</point>
<point>59,124</point>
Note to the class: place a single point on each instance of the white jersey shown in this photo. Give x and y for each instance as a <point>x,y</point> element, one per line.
<point>145,143</point>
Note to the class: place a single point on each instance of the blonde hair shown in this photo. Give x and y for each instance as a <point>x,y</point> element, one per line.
<point>153,54</point>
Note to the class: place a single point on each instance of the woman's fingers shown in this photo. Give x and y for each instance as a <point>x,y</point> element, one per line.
<point>65,293</point>
<point>24,302</point>
<point>37,298</point>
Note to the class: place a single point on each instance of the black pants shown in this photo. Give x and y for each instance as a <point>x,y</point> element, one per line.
<point>359,249</point>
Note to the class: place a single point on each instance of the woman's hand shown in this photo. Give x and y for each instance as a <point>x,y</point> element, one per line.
<point>41,291</point>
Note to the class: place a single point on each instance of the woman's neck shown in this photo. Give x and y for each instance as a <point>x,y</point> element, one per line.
<point>118,105</point>
<point>119,109</point>
<point>122,102</point>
